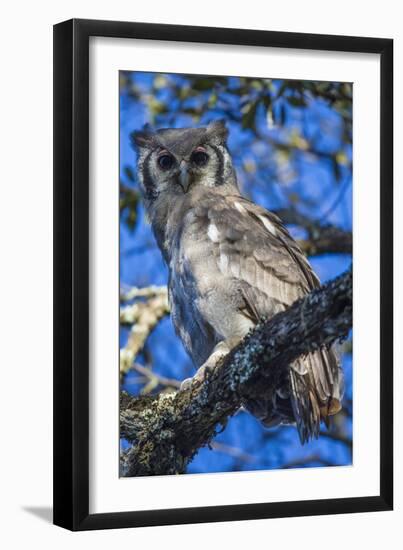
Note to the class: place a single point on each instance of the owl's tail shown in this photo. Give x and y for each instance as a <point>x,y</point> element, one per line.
<point>316,391</point>
<point>311,393</point>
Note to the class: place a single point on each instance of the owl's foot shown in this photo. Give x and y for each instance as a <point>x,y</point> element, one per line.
<point>200,375</point>
<point>185,384</point>
<point>203,372</point>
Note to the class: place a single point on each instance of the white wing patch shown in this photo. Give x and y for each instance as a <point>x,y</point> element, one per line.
<point>268,225</point>
<point>223,263</point>
<point>213,233</point>
<point>239,207</point>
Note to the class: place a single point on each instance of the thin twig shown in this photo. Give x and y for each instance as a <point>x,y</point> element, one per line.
<point>232,451</point>
<point>155,378</point>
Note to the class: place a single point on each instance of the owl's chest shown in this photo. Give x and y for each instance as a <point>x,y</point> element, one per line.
<point>191,279</point>
<point>194,284</point>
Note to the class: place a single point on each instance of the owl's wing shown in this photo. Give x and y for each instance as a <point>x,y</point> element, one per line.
<point>253,247</point>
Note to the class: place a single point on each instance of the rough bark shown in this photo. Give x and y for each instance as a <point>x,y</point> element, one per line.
<point>167,430</point>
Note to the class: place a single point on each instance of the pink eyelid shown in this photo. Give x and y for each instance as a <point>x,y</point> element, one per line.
<point>164,152</point>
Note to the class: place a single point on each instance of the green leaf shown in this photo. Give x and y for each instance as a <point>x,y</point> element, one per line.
<point>203,84</point>
<point>248,118</point>
<point>296,101</point>
<point>212,100</point>
<point>266,101</point>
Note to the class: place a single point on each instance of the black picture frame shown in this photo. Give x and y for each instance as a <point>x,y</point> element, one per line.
<point>71,274</point>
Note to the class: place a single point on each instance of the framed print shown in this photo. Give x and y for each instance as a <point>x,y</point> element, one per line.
<point>223,274</point>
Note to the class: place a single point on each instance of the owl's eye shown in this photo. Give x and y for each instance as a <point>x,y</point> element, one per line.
<point>166,161</point>
<point>199,158</point>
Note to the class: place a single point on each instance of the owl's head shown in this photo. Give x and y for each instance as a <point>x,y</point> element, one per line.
<point>174,161</point>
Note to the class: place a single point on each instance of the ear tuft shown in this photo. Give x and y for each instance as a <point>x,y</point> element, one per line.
<point>218,129</point>
<point>143,138</point>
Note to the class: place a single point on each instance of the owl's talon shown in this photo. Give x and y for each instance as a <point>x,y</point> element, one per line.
<point>200,376</point>
<point>203,372</point>
<point>185,384</point>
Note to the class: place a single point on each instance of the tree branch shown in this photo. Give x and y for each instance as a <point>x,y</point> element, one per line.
<point>327,239</point>
<point>167,430</point>
<point>322,239</point>
<point>144,316</point>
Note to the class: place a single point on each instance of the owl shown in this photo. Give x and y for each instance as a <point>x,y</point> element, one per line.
<point>231,263</point>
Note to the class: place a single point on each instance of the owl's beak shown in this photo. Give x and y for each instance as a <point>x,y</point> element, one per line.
<point>184,177</point>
